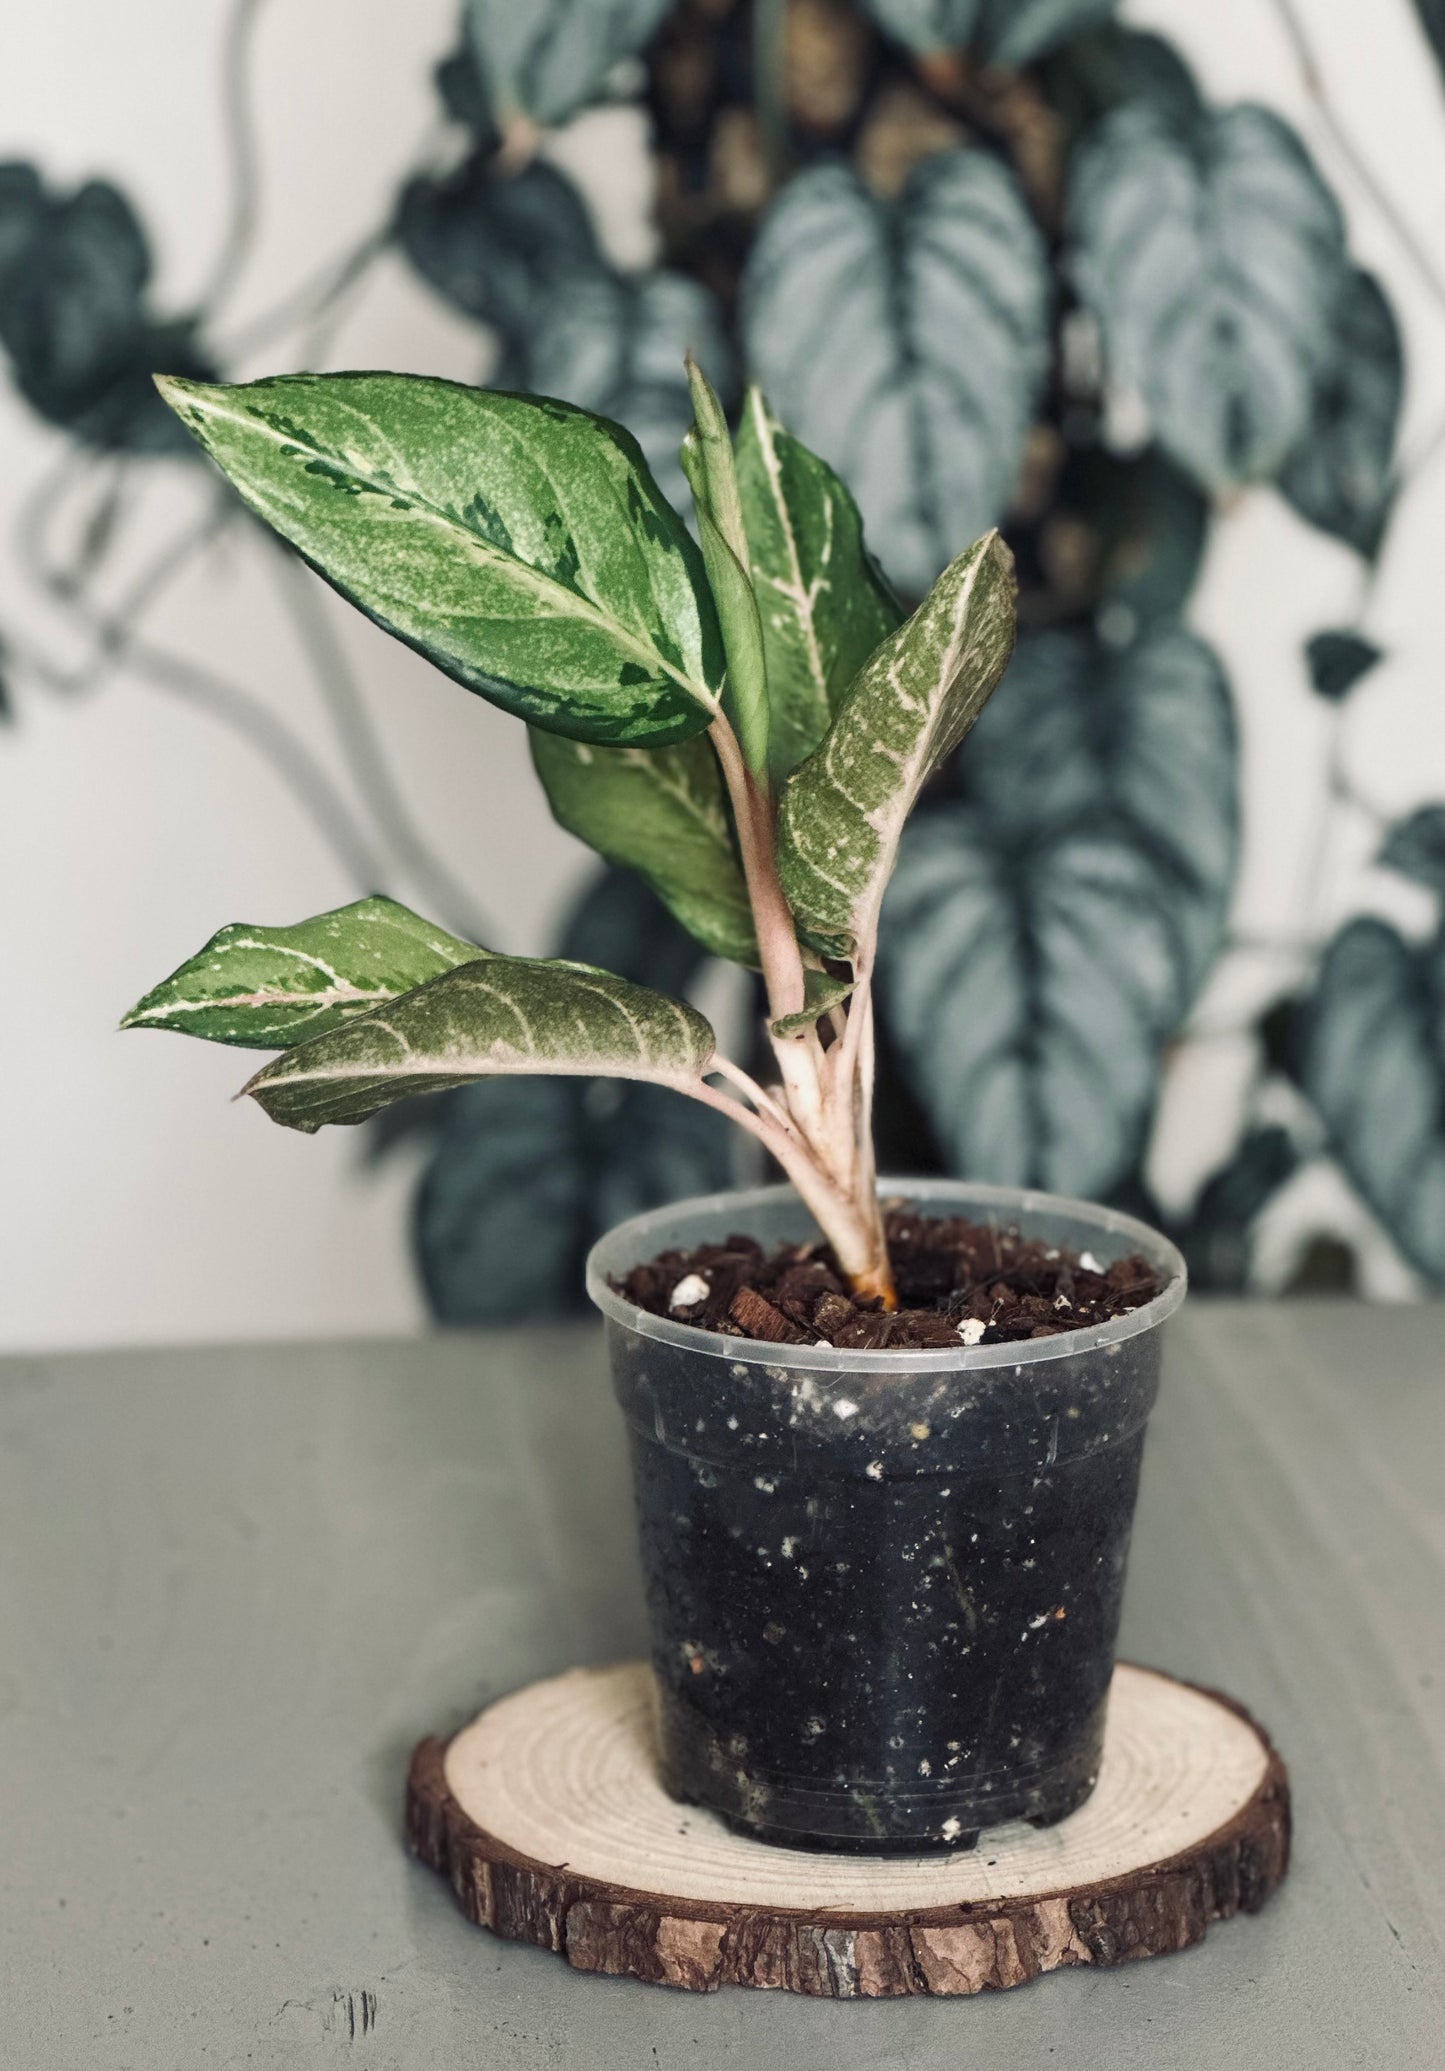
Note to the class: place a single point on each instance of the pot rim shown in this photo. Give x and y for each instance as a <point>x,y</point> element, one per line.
<point>632,1237</point>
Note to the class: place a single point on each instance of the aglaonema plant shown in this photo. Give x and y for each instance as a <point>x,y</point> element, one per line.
<point>746,725</point>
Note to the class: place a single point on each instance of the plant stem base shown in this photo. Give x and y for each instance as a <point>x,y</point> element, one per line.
<point>547,1817</point>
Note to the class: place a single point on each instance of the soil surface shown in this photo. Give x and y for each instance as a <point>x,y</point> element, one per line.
<point>958,1282</point>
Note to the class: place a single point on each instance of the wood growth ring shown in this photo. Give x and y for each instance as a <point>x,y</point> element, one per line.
<point>547,1818</point>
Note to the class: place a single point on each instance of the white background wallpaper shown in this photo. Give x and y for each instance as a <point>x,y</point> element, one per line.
<point>138,1204</point>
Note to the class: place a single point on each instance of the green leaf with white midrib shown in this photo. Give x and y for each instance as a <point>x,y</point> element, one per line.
<point>843,810</point>
<point>823,600</point>
<point>266,988</point>
<point>662,812</point>
<point>518,543</point>
<point>507,1015</point>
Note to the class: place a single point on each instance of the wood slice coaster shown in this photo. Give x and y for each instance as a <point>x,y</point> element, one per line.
<point>547,1818</point>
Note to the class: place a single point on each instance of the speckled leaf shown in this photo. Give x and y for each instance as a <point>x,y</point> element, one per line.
<point>824,601</point>
<point>545,58</point>
<point>662,812</point>
<point>843,810</point>
<point>1340,476</point>
<point>1373,1063</point>
<point>821,990</point>
<point>1211,254</point>
<point>615,345</point>
<point>906,342</point>
<point>509,1015</point>
<point>264,988</point>
<point>520,544</point>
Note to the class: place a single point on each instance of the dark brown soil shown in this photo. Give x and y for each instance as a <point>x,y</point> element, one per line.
<point>952,1275</point>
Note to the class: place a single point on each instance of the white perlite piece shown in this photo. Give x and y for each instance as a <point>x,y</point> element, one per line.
<point>689,1291</point>
<point>1089,1263</point>
<point>972,1329</point>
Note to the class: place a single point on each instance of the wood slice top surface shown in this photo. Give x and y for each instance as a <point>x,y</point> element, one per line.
<point>548,1817</point>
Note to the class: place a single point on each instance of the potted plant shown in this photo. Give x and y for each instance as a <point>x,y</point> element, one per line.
<point>885,1457</point>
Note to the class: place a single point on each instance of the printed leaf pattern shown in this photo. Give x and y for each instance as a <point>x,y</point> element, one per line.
<point>508,1015</point>
<point>1340,476</point>
<point>521,545</point>
<point>75,318</point>
<point>493,245</point>
<point>545,58</point>
<point>843,810</point>
<point>1047,935</point>
<point>662,812</point>
<point>263,988</point>
<point>824,602</point>
<point>853,313</point>
<point>1003,32</point>
<point>1211,255</point>
<point>532,1171</point>
<point>1015,32</point>
<point>615,346</point>
<point>1373,1063</point>
<point>1338,660</point>
<point>1416,848</point>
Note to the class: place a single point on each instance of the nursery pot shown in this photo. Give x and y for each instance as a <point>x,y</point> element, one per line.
<point>883,1587</point>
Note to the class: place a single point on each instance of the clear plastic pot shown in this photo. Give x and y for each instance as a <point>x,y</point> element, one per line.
<point>883,1587</point>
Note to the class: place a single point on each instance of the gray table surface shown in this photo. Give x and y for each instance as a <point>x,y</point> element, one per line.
<point>236,1585</point>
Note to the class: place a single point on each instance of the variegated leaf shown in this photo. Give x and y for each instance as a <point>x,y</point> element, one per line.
<point>843,810</point>
<point>821,990</point>
<point>518,543</point>
<point>265,988</point>
<point>662,812</point>
<point>510,1014</point>
<point>825,602</point>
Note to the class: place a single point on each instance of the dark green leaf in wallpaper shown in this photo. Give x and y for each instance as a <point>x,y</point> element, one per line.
<point>492,244</point>
<point>544,58</point>
<point>74,269</point>
<point>532,1171</point>
<point>1416,848</point>
<point>1047,933</point>
<point>1211,256</point>
<point>1016,32</point>
<point>1217,1238</point>
<point>1432,21</point>
<point>1338,660</point>
<point>1126,529</point>
<point>1106,67</point>
<point>926,25</point>
<point>1374,1066</point>
<point>1001,32</point>
<point>1339,476</point>
<point>856,315</point>
<point>614,344</point>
